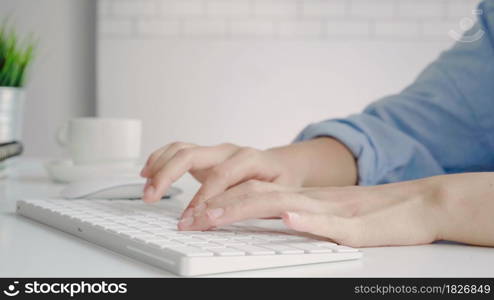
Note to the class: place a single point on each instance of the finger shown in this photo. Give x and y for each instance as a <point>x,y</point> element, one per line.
<point>250,187</point>
<point>324,225</point>
<point>154,156</point>
<point>184,160</point>
<point>164,157</point>
<point>241,166</point>
<point>222,212</point>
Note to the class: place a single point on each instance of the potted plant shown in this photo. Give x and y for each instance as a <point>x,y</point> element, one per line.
<point>15,58</point>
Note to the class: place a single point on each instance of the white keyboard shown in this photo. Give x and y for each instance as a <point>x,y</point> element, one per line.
<point>148,233</point>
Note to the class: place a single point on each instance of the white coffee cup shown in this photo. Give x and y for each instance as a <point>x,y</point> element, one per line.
<point>107,141</point>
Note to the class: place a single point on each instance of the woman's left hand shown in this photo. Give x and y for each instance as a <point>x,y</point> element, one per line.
<point>393,214</point>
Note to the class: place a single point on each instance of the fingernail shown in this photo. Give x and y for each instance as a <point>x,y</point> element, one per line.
<point>199,209</point>
<point>292,220</point>
<point>292,216</point>
<point>187,221</point>
<point>188,213</point>
<point>215,213</point>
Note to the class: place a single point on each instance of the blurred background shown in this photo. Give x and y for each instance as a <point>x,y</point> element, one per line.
<point>252,72</point>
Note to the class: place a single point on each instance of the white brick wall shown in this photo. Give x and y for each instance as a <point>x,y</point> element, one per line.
<point>182,8</point>
<point>403,29</point>
<point>132,8</point>
<point>116,27</point>
<point>460,8</point>
<point>373,9</point>
<point>421,9</point>
<point>275,8</point>
<point>324,8</point>
<point>348,29</point>
<point>168,62</point>
<point>228,8</point>
<point>158,28</point>
<point>252,28</point>
<point>286,19</point>
<point>205,27</point>
<point>303,28</point>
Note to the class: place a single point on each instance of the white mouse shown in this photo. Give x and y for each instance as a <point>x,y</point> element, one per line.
<point>112,188</point>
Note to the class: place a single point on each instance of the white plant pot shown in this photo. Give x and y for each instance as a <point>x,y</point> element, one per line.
<point>11,114</point>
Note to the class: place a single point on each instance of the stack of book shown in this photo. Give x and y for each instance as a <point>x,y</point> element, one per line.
<point>8,150</point>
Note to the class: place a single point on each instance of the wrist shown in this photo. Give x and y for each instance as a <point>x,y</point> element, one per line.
<point>465,207</point>
<point>290,163</point>
<point>319,162</point>
<point>433,193</point>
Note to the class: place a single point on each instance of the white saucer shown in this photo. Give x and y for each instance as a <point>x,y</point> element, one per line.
<point>65,171</point>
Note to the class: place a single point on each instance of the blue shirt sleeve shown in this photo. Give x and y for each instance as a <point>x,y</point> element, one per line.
<point>443,123</point>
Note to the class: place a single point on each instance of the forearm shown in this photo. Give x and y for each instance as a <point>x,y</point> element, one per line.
<point>466,202</point>
<point>320,162</point>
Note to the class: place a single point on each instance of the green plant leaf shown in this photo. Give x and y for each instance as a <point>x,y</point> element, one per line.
<point>15,57</point>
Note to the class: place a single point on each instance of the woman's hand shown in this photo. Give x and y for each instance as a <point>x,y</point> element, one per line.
<point>217,168</point>
<point>396,214</point>
<point>453,207</point>
<point>316,162</point>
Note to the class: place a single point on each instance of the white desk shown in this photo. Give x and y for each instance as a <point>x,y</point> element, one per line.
<point>29,249</point>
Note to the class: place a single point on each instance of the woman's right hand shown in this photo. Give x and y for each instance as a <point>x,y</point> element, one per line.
<point>217,168</point>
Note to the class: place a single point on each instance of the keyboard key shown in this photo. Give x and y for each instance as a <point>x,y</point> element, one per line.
<point>281,249</point>
<point>193,241</point>
<point>242,238</point>
<point>233,242</point>
<point>258,241</point>
<point>296,238</point>
<point>216,238</point>
<point>154,230</point>
<point>210,245</point>
<point>254,250</point>
<point>323,244</point>
<point>222,233</point>
<point>345,249</point>
<point>270,238</point>
<point>170,235</point>
<point>310,248</point>
<point>180,236</point>
<point>200,233</point>
<point>227,251</point>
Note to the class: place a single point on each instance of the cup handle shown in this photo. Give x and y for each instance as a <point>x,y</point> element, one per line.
<point>62,135</point>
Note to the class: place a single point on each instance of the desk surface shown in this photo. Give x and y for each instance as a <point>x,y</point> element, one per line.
<point>29,249</point>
